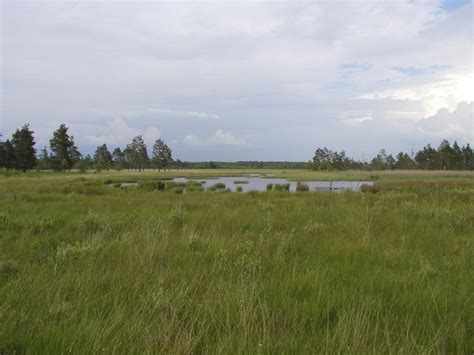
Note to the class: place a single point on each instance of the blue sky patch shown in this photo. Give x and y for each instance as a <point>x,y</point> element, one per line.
<point>451,5</point>
<point>416,71</point>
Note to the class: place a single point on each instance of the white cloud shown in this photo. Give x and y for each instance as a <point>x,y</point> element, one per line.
<point>117,132</point>
<point>191,139</point>
<point>357,120</point>
<point>219,138</point>
<point>434,92</point>
<point>456,124</point>
<point>151,134</point>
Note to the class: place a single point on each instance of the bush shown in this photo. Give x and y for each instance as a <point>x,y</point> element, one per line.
<point>218,186</point>
<point>239,189</point>
<point>277,187</point>
<point>285,187</point>
<point>192,183</point>
<point>151,185</point>
<point>178,190</point>
<point>269,187</point>
<point>171,185</point>
<point>302,187</point>
<point>194,188</point>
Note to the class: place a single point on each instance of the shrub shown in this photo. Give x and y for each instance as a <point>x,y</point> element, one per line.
<point>277,187</point>
<point>269,187</point>
<point>218,186</point>
<point>239,189</point>
<point>169,185</point>
<point>285,187</point>
<point>194,188</point>
<point>151,185</point>
<point>192,183</point>
<point>302,187</point>
<point>178,190</point>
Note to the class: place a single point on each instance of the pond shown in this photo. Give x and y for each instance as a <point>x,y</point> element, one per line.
<point>248,183</point>
<point>251,183</point>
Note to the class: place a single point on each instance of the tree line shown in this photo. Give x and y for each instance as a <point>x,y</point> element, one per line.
<point>445,157</point>
<point>19,153</point>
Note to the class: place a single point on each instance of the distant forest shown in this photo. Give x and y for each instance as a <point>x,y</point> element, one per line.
<point>19,153</point>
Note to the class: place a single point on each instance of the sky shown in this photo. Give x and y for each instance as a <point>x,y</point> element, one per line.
<point>241,80</point>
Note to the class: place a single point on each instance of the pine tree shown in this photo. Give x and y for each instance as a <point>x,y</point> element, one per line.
<point>42,161</point>
<point>445,155</point>
<point>7,155</point>
<point>102,157</point>
<point>162,155</point>
<point>457,157</point>
<point>64,152</point>
<point>427,158</point>
<point>136,153</point>
<point>24,145</point>
<point>118,158</point>
<point>468,157</point>
<point>404,161</point>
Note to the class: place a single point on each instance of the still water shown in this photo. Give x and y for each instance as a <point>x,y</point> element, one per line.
<point>251,183</point>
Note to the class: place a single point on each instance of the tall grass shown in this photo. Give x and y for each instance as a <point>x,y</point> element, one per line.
<point>87,268</point>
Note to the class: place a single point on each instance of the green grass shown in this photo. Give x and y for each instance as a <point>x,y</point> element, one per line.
<point>88,268</point>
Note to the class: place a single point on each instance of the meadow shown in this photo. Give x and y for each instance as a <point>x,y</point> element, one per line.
<point>88,268</point>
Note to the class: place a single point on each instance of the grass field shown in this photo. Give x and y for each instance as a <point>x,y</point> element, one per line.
<point>87,268</point>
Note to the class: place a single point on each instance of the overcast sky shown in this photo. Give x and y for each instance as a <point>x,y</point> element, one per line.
<point>241,81</point>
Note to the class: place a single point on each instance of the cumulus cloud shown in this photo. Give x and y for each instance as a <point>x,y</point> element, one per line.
<point>117,132</point>
<point>457,124</point>
<point>219,138</point>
